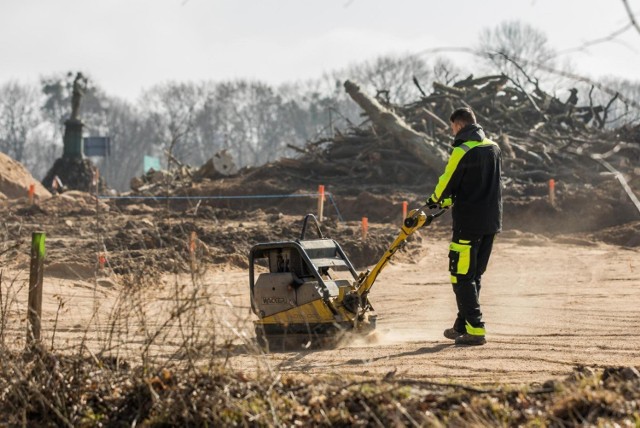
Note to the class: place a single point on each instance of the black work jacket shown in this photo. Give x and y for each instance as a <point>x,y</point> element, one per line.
<point>472,179</point>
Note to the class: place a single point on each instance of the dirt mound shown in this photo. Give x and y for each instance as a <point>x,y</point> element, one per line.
<point>74,202</point>
<point>15,180</point>
<point>71,203</point>
<point>627,235</point>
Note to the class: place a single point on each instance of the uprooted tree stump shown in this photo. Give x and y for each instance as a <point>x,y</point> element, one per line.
<point>75,174</point>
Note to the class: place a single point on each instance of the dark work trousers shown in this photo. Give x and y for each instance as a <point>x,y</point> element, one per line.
<point>468,258</point>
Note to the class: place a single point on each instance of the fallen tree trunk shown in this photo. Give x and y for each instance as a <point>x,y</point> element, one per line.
<point>416,143</point>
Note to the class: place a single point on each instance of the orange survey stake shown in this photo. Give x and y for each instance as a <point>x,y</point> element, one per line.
<point>365,227</point>
<point>32,191</point>
<point>320,201</point>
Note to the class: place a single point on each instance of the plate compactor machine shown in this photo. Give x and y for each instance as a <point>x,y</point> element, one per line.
<point>311,294</point>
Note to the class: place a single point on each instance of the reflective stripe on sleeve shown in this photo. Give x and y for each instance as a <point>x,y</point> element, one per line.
<point>451,167</point>
<point>456,156</point>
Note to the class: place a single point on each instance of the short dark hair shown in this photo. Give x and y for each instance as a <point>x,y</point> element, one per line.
<point>464,115</point>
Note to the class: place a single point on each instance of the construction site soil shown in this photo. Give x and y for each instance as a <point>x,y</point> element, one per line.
<point>551,301</point>
<point>126,285</point>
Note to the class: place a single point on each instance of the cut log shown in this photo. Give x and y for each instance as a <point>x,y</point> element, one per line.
<point>448,89</point>
<point>220,165</point>
<point>496,82</point>
<point>223,163</point>
<point>417,143</point>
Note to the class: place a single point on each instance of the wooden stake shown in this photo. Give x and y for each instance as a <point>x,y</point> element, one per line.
<point>320,202</point>
<point>552,192</point>
<point>192,249</point>
<point>192,242</point>
<point>34,317</point>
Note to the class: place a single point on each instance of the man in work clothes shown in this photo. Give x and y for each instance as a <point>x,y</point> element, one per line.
<point>471,182</point>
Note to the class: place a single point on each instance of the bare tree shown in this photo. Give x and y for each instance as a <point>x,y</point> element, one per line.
<point>19,116</point>
<point>41,150</point>
<point>172,109</point>
<point>247,118</point>
<point>325,104</point>
<point>390,73</point>
<point>632,17</point>
<point>131,138</point>
<point>445,71</point>
<point>620,113</point>
<point>515,49</point>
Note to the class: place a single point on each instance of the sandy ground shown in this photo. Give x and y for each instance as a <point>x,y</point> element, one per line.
<point>548,307</point>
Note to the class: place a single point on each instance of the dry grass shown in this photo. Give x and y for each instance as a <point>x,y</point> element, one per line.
<point>44,389</point>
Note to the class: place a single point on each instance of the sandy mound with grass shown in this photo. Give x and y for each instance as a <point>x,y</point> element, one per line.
<point>15,180</point>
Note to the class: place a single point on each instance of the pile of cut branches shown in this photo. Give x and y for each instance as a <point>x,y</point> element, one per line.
<point>542,137</point>
<point>399,151</point>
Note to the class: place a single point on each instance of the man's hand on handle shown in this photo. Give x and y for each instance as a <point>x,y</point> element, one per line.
<point>443,204</point>
<point>431,203</point>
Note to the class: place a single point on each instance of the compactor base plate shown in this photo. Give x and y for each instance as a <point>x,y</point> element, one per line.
<point>275,338</point>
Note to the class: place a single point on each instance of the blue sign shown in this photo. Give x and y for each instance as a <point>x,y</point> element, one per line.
<point>151,162</point>
<point>97,146</point>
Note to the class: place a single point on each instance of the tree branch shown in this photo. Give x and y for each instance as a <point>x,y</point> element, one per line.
<point>415,82</point>
<point>535,83</point>
<point>594,115</point>
<point>606,110</point>
<point>632,17</point>
<point>577,77</point>
<point>597,41</point>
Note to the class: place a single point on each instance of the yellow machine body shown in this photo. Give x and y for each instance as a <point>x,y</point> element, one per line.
<point>308,291</point>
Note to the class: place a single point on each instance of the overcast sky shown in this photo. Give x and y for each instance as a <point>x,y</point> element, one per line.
<point>127,45</point>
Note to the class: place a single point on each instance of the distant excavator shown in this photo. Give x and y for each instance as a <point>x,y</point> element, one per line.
<point>310,294</point>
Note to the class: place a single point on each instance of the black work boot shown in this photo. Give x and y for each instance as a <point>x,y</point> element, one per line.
<point>452,333</point>
<point>467,339</point>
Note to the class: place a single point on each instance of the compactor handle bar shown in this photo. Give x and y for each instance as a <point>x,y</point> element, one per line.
<point>304,226</point>
<point>416,219</point>
<point>411,221</point>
